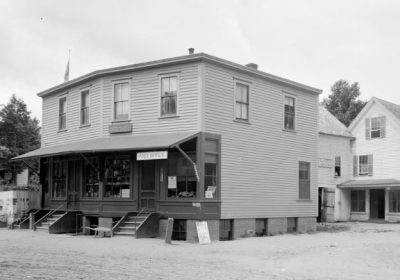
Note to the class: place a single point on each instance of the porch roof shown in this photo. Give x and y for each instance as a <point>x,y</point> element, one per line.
<point>370,184</point>
<point>112,144</point>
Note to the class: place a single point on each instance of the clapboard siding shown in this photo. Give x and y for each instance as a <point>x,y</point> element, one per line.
<point>331,146</point>
<point>144,106</point>
<point>259,161</point>
<point>386,151</point>
<point>145,100</point>
<point>74,132</point>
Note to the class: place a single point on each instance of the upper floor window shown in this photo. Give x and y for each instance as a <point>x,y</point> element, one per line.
<point>62,113</point>
<point>337,166</point>
<point>375,127</point>
<point>362,165</point>
<point>304,180</point>
<point>289,113</point>
<point>85,97</point>
<point>121,101</point>
<point>242,102</point>
<point>169,95</point>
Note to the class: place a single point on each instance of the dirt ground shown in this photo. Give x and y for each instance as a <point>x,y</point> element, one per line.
<point>339,251</point>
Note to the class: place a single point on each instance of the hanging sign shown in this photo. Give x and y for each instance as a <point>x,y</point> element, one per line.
<point>203,233</point>
<point>152,155</point>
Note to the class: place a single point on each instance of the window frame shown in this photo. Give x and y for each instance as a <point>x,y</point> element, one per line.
<point>87,107</point>
<point>300,181</point>
<point>118,82</point>
<point>63,164</point>
<point>84,165</point>
<point>177,95</point>
<point>293,97</point>
<point>105,183</point>
<point>364,202</point>
<point>379,120</point>
<point>188,165</point>
<point>62,116</point>
<point>364,166</point>
<point>338,159</point>
<point>241,103</point>
<point>394,201</point>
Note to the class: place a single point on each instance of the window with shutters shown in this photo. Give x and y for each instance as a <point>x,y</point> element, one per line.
<point>363,165</point>
<point>304,180</point>
<point>357,200</point>
<point>375,127</point>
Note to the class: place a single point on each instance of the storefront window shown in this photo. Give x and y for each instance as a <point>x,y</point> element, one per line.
<point>394,201</point>
<point>210,176</point>
<point>59,179</point>
<point>182,180</point>
<point>117,177</point>
<point>91,178</point>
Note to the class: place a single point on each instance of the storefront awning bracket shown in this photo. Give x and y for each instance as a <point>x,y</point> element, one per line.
<point>190,160</point>
<point>31,168</point>
<point>88,161</point>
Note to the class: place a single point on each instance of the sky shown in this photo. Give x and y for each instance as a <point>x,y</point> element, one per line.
<point>312,42</point>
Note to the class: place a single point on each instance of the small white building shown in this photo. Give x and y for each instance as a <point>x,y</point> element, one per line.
<point>359,167</point>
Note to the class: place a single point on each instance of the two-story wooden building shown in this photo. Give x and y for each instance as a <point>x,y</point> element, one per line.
<point>194,137</point>
<point>374,189</point>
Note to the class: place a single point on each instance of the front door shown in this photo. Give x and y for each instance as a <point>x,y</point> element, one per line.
<point>377,204</point>
<point>147,192</point>
<point>73,183</point>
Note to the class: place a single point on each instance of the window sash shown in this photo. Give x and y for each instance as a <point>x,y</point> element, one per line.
<point>85,107</point>
<point>363,165</point>
<point>169,94</point>
<point>59,187</point>
<point>289,113</point>
<point>121,101</point>
<point>304,180</point>
<point>62,115</point>
<point>91,178</point>
<point>242,101</point>
<point>117,177</point>
<point>394,201</point>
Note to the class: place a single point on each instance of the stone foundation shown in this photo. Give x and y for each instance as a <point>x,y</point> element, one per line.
<point>306,224</point>
<point>276,226</point>
<point>244,228</point>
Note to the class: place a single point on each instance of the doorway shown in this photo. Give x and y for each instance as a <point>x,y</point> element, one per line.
<point>377,204</point>
<point>147,192</point>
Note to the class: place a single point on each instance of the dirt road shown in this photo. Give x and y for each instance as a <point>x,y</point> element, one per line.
<point>366,251</point>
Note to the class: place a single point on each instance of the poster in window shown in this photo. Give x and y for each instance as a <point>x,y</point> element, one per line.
<point>210,191</point>
<point>171,182</point>
<point>125,193</point>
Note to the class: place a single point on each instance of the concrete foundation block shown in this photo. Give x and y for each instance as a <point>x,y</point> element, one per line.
<point>276,226</point>
<point>306,224</point>
<point>244,228</point>
<point>162,228</point>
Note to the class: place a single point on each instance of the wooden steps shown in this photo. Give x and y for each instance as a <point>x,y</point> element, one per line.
<point>45,224</point>
<point>130,224</point>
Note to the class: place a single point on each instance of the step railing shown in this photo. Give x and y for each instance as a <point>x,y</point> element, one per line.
<point>140,212</point>
<point>46,216</point>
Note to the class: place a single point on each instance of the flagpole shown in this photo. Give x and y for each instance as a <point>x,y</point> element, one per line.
<point>66,75</point>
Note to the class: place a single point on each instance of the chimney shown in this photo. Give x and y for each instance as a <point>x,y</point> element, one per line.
<point>252,65</point>
<point>191,50</point>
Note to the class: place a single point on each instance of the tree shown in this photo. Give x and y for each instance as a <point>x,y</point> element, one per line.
<point>343,103</point>
<point>19,133</point>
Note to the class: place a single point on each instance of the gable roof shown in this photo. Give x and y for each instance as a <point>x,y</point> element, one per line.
<point>174,61</point>
<point>329,124</point>
<point>393,108</point>
<point>390,107</point>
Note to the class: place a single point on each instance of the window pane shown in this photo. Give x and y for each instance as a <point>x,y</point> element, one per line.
<point>164,85</point>
<point>238,90</point>
<point>245,112</point>
<point>173,84</point>
<point>91,178</point>
<point>245,94</point>
<point>125,91</point>
<point>85,98</point>
<point>117,178</point>
<point>183,170</point>
<point>117,92</point>
<point>238,111</point>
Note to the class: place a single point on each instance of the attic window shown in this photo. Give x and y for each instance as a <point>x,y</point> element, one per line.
<point>375,127</point>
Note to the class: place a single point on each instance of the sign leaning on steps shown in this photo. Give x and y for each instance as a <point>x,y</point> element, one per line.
<point>203,233</point>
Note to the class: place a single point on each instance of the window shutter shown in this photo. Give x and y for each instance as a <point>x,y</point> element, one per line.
<point>370,165</point>
<point>367,129</point>
<point>355,166</point>
<point>383,127</point>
